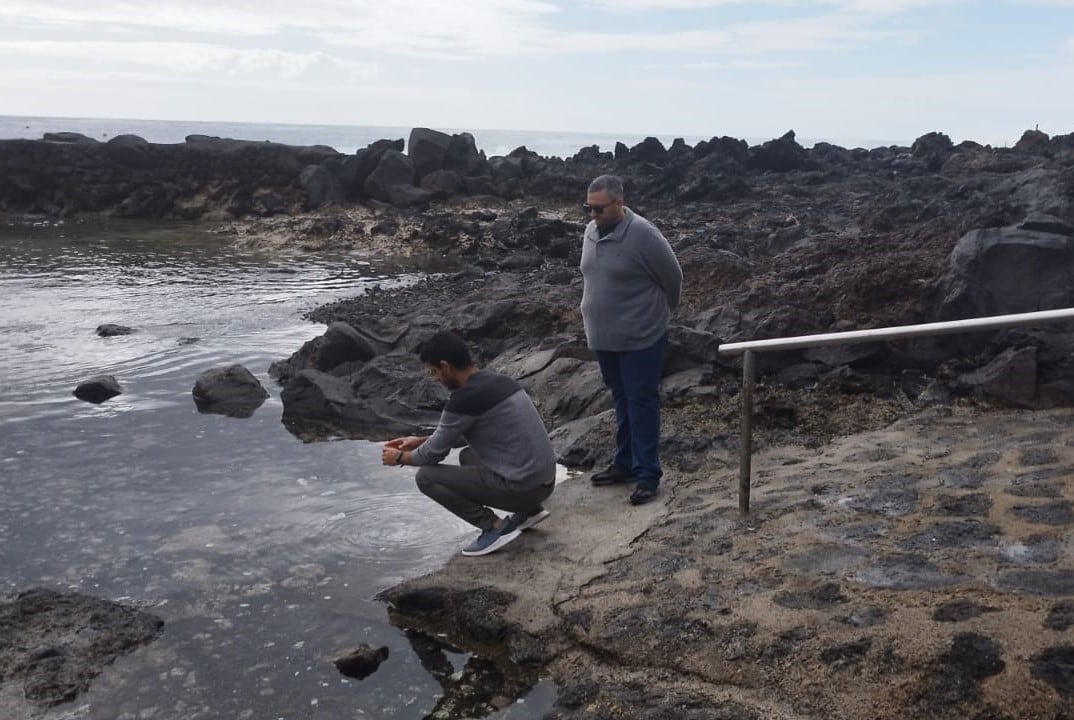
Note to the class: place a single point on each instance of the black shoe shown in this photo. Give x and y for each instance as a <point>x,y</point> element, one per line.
<point>643,494</point>
<point>611,475</point>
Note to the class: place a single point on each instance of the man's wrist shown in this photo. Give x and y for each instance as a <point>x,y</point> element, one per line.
<point>399,457</point>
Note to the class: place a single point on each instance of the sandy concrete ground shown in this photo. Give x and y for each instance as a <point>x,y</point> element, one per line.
<point>924,569</point>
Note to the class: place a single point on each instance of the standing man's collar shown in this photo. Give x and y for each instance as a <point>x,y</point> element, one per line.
<point>619,229</point>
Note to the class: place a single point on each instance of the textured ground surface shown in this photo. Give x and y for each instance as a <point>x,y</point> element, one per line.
<point>920,570</point>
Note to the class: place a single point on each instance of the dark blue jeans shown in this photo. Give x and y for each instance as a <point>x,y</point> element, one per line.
<point>634,379</point>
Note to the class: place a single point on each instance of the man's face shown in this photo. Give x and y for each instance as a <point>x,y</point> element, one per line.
<point>444,374</point>
<point>604,209</point>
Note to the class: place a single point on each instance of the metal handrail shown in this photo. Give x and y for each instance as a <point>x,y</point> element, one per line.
<point>750,347</point>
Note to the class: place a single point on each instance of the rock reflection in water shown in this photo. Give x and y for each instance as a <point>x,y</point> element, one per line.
<point>482,687</point>
<point>309,431</point>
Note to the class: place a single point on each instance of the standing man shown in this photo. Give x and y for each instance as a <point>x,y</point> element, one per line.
<point>509,462</point>
<point>632,283</point>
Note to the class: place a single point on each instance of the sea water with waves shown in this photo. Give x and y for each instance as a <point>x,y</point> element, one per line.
<point>263,553</point>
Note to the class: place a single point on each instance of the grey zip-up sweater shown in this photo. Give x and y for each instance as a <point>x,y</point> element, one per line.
<point>494,416</point>
<point>632,282</point>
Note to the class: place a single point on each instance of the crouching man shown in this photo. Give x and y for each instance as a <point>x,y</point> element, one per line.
<point>507,462</point>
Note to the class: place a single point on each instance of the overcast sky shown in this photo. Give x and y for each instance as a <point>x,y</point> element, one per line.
<point>842,70</point>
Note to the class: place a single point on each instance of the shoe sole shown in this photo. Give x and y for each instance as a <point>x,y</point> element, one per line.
<point>534,519</point>
<point>493,546</point>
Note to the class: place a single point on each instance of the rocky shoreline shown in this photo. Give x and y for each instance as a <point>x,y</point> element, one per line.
<point>909,547</point>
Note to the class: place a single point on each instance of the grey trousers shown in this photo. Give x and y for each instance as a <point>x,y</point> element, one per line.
<point>469,488</point>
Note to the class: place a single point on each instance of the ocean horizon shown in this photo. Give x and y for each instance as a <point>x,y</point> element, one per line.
<point>349,138</point>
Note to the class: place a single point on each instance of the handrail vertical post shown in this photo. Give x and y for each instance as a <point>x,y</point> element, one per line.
<point>745,434</point>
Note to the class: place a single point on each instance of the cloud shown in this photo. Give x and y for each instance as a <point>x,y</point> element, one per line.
<point>472,28</point>
<point>386,19</point>
<point>422,27</point>
<point>741,40</point>
<point>889,7</point>
<point>868,7</point>
<point>187,58</point>
<point>661,5</point>
<point>236,18</point>
<point>730,65</point>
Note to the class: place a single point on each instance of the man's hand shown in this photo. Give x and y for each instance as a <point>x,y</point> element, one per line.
<point>392,455</point>
<point>397,451</point>
<point>405,443</point>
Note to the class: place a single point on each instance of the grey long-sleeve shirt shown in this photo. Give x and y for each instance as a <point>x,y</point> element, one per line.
<point>632,282</point>
<point>494,416</point>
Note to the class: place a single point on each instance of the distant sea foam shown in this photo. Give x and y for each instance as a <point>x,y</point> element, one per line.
<point>344,138</point>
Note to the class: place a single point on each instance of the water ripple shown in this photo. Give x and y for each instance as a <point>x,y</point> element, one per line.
<point>374,525</point>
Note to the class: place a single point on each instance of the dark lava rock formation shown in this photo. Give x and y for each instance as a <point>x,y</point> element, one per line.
<point>810,241</point>
<point>56,643</point>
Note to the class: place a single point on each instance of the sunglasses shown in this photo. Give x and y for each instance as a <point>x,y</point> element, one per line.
<point>597,209</point>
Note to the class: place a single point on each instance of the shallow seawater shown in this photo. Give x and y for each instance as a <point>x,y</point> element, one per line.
<point>261,552</point>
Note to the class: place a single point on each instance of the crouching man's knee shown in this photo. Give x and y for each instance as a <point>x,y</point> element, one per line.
<point>424,481</point>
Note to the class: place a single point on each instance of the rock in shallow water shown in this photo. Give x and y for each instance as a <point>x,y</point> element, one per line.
<point>110,330</point>
<point>232,391</point>
<point>98,389</point>
<point>56,643</point>
<point>361,662</point>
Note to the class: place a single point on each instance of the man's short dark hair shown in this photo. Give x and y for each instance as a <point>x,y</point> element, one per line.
<point>610,184</point>
<point>446,346</point>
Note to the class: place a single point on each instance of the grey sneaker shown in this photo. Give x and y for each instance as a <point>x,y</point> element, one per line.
<point>492,540</point>
<point>526,520</point>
